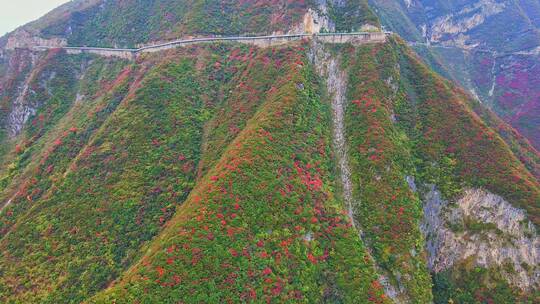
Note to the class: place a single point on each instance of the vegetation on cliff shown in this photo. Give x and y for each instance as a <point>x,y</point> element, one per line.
<point>207,173</point>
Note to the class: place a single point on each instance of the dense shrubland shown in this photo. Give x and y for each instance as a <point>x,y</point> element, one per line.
<point>207,174</point>
<point>264,224</point>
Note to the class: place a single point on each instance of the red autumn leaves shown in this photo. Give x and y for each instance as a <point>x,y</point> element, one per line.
<point>367,104</point>
<point>58,142</point>
<point>312,181</point>
<point>375,141</point>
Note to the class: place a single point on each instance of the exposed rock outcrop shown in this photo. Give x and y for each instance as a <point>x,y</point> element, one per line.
<point>16,83</point>
<point>486,228</point>
<point>457,25</point>
<point>21,110</point>
<point>315,21</point>
<point>24,39</point>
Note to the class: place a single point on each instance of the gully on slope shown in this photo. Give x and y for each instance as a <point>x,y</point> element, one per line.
<point>328,68</point>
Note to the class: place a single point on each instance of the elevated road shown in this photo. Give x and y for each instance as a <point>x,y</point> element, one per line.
<point>261,41</point>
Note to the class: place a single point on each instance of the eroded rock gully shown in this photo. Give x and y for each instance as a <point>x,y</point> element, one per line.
<point>328,67</point>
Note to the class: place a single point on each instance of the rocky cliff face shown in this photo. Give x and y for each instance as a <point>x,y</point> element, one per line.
<point>483,229</point>
<point>22,39</point>
<point>454,28</point>
<point>314,21</point>
<point>329,16</point>
<point>19,86</point>
<point>14,86</point>
<point>21,110</point>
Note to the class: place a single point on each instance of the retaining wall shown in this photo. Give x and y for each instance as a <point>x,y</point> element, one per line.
<point>260,41</point>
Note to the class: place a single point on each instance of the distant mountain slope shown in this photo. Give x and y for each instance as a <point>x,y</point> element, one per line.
<point>490,47</point>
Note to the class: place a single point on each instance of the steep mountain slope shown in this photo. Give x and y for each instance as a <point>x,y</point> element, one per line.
<point>264,222</point>
<point>384,154</point>
<point>489,47</point>
<point>222,172</point>
<point>406,124</point>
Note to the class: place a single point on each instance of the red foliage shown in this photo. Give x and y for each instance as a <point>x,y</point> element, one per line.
<point>58,142</point>
<point>311,182</point>
<point>267,271</point>
<point>50,168</point>
<point>160,271</point>
<point>312,258</point>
